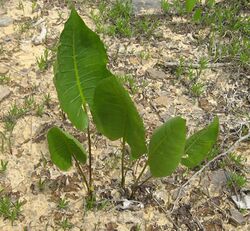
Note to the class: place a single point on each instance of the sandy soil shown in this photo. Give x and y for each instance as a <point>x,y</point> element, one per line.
<point>159,95</point>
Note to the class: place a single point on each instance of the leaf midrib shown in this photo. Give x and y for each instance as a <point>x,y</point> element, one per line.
<point>78,82</point>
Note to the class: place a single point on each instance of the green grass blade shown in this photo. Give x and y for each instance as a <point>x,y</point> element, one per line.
<point>190,4</point>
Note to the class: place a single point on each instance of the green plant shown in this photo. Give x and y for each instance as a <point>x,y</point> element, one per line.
<point>236,180</point>
<point>86,87</point>
<point>8,209</point>
<point>65,224</point>
<point>197,89</point>
<point>4,79</point>
<point>129,81</point>
<point>63,203</point>
<point>13,115</point>
<point>3,166</point>
<point>146,26</point>
<point>41,185</point>
<point>20,5</point>
<point>43,61</point>
<point>39,109</point>
<point>165,5</point>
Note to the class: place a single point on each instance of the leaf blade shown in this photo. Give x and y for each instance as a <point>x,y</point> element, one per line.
<point>81,64</point>
<point>166,147</point>
<point>200,143</point>
<point>116,115</point>
<point>62,146</point>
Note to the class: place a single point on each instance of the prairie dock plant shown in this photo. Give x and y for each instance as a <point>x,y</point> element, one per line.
<point>86,87</point>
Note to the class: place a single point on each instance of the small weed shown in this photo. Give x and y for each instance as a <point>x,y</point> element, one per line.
<point>13,115</point>
<point>137,228</point>
<point>39,109</point>
<point>43,61</point>
<point>165,5</point>
<point>238,160</point>
<point>63,203</point>
<point>24,27</point>
<point>47,99</point>
<point>65,224</point>
<point>4,79</point>
<point>197,89</point>
<point>116,19</point>
<point>41,185</point>
<point>20,5</point>
<point>29,102</point>
<point>236,179</point>
<point>3,166</point>
<point>90,203</point>
<point>180,69</point>
<point>145,54</point>
<point>34,6</point>
<point>130,82</point>
<point>146,26</point>
<point>10,210</point>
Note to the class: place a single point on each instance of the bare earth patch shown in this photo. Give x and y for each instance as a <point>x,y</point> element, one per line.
<point>159,94</point>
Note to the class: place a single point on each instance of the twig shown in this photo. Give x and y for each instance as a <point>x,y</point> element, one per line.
<point>206,165</point>
<point>195,65</point>
<point>168,215</point>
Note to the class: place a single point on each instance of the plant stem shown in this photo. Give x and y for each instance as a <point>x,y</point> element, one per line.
<point>143,182</point>
<point>90,164</point>
<point>91,188</point>
<point>140,175</point>
<point>134,187</point>
<point>123,157</point>
<point>82,173</point>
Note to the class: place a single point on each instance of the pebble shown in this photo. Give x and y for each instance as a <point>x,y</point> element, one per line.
<point>162,101</point>
<point>3,71</point>
<point>5,21</point>
<point>237,217</point>
<point>4,92</point>
<point>147,7</point>
<point>156,74</point>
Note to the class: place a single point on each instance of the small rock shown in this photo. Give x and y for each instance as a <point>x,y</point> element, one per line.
<point>156,74</point>
<point>37,40</point>
<point>4,92</point>
<point>3,71</point>
<point>147,7</point>
<point>242,201</point>
<point>161,101</point>
<point>216,181</point>
<point>5,21</point>
<point>237,217</point>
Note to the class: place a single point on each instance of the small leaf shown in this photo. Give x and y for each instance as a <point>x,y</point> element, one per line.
<point>115,115</point>
<point>166,147</point>
<point>62,146</point>
<point>80,65</point>
<point>190,4</point>
<point>200,144</point>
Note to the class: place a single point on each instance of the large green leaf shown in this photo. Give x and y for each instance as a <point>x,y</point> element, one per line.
<point>116,116</point>
<point>200,144</point>
<point>81,64</point>
<point>190,4</point>
<point>62,146</point>
<point>166,147</point>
